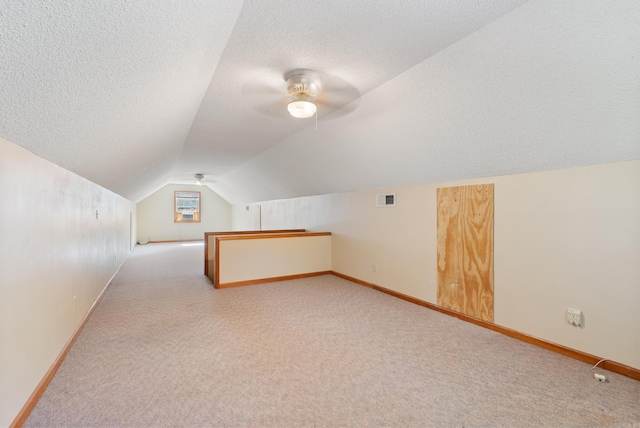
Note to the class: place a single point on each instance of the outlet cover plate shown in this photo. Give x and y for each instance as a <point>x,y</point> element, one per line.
<point>574,316</point>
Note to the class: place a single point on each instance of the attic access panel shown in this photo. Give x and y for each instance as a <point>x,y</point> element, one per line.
<point>465,250</point>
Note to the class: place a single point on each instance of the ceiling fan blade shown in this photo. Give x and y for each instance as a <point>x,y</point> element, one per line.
<point>337,97</point>
<point>277,108</point>
<point>266,97</point>
<point>330,111</point>
<point>337,90</point>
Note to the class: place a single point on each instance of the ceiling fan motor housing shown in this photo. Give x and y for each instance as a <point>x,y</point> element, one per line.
<point>303,87</point>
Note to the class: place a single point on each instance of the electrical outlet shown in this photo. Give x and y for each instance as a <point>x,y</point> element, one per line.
<point>375,267</point>
<point>574,316</point>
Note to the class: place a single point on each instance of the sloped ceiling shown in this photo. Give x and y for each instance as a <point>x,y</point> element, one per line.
<point>135,95</point>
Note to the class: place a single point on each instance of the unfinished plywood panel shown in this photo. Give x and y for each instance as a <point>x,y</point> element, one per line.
<point>465,250</point>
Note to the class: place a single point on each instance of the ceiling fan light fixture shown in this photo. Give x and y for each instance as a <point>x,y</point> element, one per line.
<point>301,108</point>
<point>199,179</point>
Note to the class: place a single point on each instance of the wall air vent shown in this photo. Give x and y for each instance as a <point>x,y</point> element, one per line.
<point>388,200</point>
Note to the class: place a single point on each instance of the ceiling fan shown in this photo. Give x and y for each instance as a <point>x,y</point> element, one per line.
<point>308,92</point>
<point>200,179</point>
<point>304,86</point>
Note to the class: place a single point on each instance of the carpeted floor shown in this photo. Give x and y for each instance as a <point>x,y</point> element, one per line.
<point>164,348</point>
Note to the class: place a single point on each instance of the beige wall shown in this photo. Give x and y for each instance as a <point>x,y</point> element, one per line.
<point>155,215</point>
<point>52,248</point>
<point>249,259</point>
<point>245,217</point>
<point>565,238</point>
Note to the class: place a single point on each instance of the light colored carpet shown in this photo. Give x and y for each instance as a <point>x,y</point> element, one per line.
<point>164,348</point>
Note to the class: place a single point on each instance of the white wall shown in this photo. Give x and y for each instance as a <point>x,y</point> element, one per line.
<point>246,217</point>
<point>52,248</point>
<point>250,259</point>
<point>564,238</point>
<point>155,215</point>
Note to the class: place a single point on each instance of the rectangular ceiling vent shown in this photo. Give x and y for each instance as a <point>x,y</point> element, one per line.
<point>388,200</point>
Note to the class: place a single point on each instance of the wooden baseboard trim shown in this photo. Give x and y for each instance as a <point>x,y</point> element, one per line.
<point>560,349</point>
<point>175,240</point>
<point>273,279</point>
<point>352,279</point>
<point>26,410</point>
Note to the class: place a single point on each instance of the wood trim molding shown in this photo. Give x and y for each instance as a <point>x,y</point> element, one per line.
<point>172,240</point>
<point>237,232</point>
<point>273,279</point>
<point>253,232</point>
<point>612,366</point>
<point>271,235</point>
<point>352,279</point>
<point>216,262</point>
<point>26,410</point>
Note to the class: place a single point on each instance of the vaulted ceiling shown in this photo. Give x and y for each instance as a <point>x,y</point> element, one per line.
<point>136,95</point>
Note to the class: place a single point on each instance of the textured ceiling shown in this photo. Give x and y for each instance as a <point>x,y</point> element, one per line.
<point>136,95</point>
<point>109,90</point>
